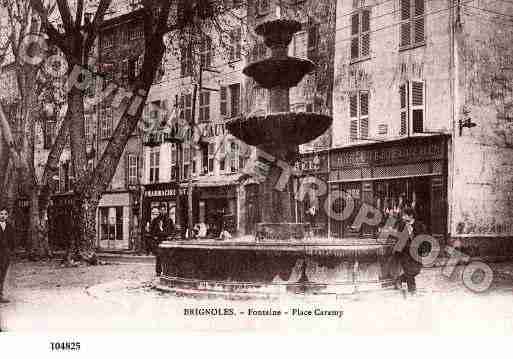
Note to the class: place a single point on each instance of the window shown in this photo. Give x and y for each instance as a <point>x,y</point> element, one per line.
<point>235,44</point>
<point>204,106</point>
<point>49,132</point>
<point>88,128</point>
<point>174,162</point>
<point>186,161</point>
<point>412,23</point>
<point>359,115</point>
<point>186,107</point>
<point>154,164</point>
<point>262,7</point>
<point>222,156</point>
<point>107,41</point>
<point>313,41</point>
<point>411,95</point>
<point>106,122</point>
<point>206,52</point>
<point>132,169</point>
<point>360,34</point>
<point>259,51</point>
<point>211,152</point>
<point>223,101</point>
<point>235,99</point>
<point>136,32</point>
<point>234,156</point>
<point>186,61</point>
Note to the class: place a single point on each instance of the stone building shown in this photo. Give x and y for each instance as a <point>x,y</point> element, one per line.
<point>422,116</point>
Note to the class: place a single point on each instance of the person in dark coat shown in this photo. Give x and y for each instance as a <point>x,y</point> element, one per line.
<point>410,266</point>
<point>7,242</point>
<point>158,233</point>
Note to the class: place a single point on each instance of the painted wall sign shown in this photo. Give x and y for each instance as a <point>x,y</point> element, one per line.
<point>161,190</point>
<point>404,153</point>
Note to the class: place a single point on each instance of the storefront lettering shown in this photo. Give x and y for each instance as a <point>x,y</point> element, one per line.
<point>160,192</point>
<point>385,155</point>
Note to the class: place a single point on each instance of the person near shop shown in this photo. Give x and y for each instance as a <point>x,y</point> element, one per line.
<point>224,234</point>
<point>157,234</point>
<point>7,243</point>
<point>411,267</point>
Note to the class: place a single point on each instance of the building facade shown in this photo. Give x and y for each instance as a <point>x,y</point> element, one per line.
<point>416,121</point>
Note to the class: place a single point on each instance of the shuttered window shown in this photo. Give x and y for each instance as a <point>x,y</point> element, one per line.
<point>204,106</point>
<point>223,102</point>
<point>154,164</point>
<point>412,30</point>
<point>359,116</point>
<point>360,34</point>
<point>412,102</point>
<point>132,168</point>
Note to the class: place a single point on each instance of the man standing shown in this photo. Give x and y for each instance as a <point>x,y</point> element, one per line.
<point>7,238</point>
<point>157,232</point>
<point>411,266</point>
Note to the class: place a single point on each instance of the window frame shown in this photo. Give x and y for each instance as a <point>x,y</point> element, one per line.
<point>359,121</point>
<point>154,165</point>
<point>411,22</point>
<point>204,106</point>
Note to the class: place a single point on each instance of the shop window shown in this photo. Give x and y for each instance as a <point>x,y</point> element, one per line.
<point>154,164</point>
<point>360,34</point>
<point>204,106</point>
<point>412,23</point>
<point>359,116</point>
<point>412,102</point>
<point>111,223</point>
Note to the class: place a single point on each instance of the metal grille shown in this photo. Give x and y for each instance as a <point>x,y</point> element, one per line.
<point>403,170</point>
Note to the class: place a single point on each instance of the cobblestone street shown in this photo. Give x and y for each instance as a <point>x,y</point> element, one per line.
<point>45,296</point>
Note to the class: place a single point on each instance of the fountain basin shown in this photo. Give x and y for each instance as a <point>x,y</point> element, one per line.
<point>291,128</point>
<point>284,72</point>
<point>237,268</point>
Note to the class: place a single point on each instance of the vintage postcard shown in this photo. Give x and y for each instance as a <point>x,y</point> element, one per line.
<point>258,166</point>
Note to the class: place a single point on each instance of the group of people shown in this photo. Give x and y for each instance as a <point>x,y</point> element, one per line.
<point>158,229</point>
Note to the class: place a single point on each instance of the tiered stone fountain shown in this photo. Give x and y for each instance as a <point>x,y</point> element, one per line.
<point>283,260</point>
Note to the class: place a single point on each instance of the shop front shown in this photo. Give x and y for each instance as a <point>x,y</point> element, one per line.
<point>390,176</point>
<point>114,221</point>
<point>164,197</point>
<point>217,208</point>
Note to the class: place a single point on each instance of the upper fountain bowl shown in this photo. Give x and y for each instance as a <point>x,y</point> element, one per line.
<point>279,32</point>
<point>278,129</point>
<point>279,72</point>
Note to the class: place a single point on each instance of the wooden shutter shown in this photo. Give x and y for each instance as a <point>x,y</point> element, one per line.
<point>403,96</point>
<point>355,27</point>
<point>406,25</point>
<point>364,114</point>
<point>365,34</point>
<point>223,101</point>
<point>417,102</point>
<point>353,114</point>
<point>127,169</point>
<point>419,21</point>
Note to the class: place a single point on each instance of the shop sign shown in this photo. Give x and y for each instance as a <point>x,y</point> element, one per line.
<point>161,191</point>
<point>410,153</point>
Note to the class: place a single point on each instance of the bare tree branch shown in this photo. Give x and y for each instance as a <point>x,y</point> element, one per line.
<point>92,32</point>
<point>54,35</point>
<point>66,18</point>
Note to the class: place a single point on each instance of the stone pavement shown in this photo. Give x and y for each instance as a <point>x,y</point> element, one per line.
<point>46,297</point>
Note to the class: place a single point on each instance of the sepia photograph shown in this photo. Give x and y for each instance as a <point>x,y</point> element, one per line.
<point>256,166</point>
